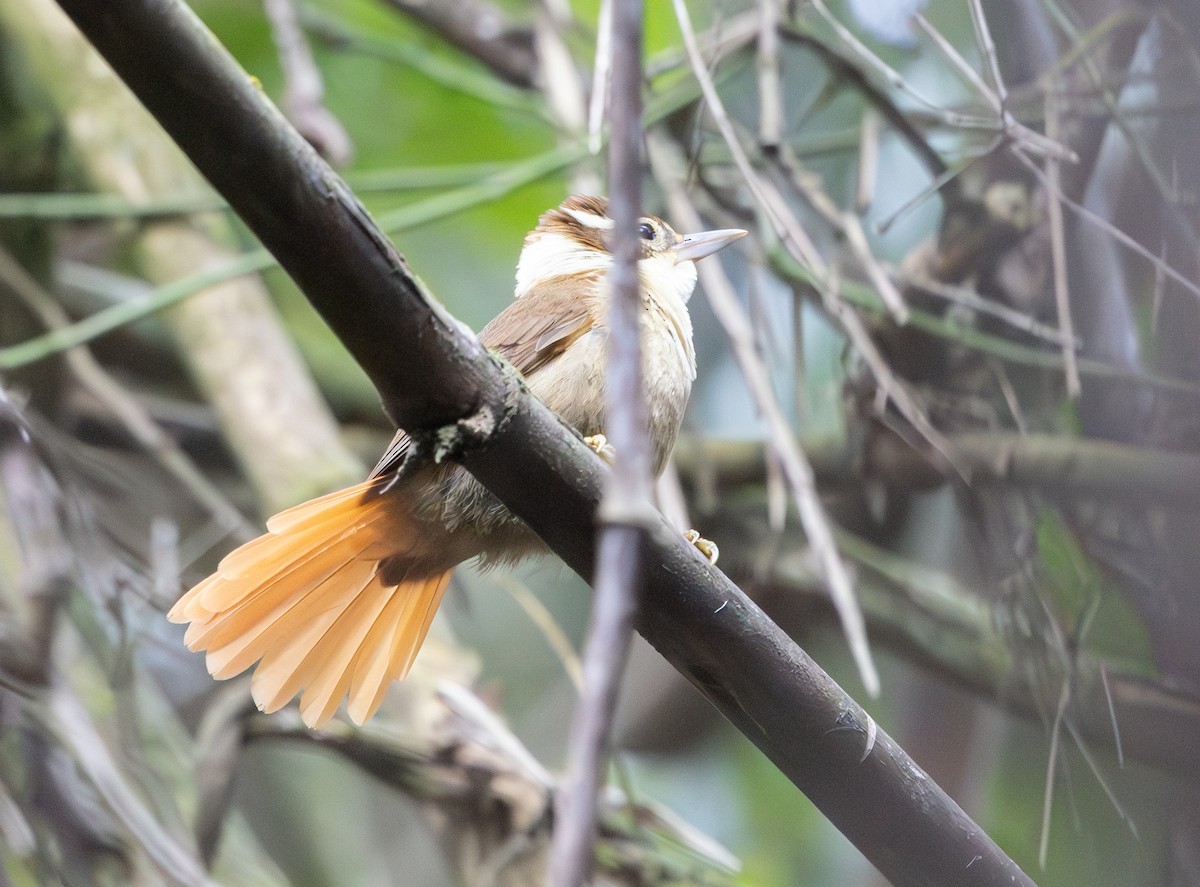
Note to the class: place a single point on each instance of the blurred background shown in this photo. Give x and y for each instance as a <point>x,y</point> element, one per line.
<point>971,278</point>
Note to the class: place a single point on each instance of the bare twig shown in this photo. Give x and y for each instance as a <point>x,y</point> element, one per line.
<point>1112,230</point>
<point>448,72</point>
<point>1057,465</point>
<point>541,617</point>
<point>304,91</point>
<point>893,77</point>
<point>785,226</point>
<point>945,182</point>
<point>1025,138</point>
<point>961,295</point>
<point>1058,253</point>
<point>770,94</point>
<point>230,337</point>
<point>1112,713</point>
<point>846,69</point>
<point>988,46</point>
<point>598,102</point>
<point>561,82</point>
<point>490,798</point>
<point>798,244</point>
<point>66,717</point>
<point>868,161</point>
<point>932,618</point>
<point>626,503</point>
<point>488,187</point>
<point>28,490</point>
<point>959,65</point>
<point>856,239</point>
<point>480,29</point>
<point>1112,103</point>
<point>1051,762</point>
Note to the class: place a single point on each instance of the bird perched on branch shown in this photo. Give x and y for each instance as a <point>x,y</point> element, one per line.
<point>336,599</point>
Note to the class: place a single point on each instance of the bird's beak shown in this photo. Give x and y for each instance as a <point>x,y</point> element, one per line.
<point>694,247</point>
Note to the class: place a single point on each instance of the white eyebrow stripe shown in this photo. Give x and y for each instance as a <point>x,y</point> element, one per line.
<point>591,220</point>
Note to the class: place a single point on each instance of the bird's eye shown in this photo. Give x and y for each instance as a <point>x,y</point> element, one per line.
<point>646,230</point>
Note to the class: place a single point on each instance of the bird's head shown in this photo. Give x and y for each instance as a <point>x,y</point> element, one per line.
<point>575,239</point>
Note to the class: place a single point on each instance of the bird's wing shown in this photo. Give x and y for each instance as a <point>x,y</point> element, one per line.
<point>530,332</point>
<point>543,323</point>
<point>393,457</point>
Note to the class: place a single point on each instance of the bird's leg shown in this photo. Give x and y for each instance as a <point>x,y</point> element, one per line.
<point>601,447</point>
<point>706,547</point>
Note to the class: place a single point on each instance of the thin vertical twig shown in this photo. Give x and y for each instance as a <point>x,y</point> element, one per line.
<point>770,92</point>
<point>600,78</point>
<point>793,464</point>
<point>869,150</point>
<point>1058,254</point>
<point>958,64</point>
<point>626,502</point>
<point>545,622</point>
<point>1112,714</point>
<point>988,47</point>
<point>304,91</point>
<point>1025,138</point>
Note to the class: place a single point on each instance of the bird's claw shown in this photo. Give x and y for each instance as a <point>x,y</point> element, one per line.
<point>601,447</point>
<point>706,547</point>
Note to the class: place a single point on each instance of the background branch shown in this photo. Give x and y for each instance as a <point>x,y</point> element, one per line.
<point>481,30</point>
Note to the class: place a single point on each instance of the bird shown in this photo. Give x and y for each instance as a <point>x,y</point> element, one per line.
<point>334,601</point>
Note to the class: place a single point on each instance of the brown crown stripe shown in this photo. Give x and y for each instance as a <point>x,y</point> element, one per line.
<point>561,221</point>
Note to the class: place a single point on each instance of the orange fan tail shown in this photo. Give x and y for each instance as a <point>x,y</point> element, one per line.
<point>312,604</point>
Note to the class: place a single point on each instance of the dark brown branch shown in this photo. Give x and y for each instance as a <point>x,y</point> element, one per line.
<point>845,69</point>
<point>479,29</point>
<point>438,382</point>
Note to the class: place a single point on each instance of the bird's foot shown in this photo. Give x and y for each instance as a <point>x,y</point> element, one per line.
<point>706,547</point>
<point>601,447</point>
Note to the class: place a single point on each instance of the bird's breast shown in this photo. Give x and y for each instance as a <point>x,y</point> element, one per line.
<point>573,383</point>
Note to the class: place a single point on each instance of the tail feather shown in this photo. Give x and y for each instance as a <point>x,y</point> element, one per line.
<point>280,549</point>
<point>255,602</point>
<point>317,510</point>
<point>298,656</point>
<point>409,623</point>
<point>288,615</point>
<point>240,574</point>
<point>309,604</point>
<point>325,674</point>
<point>370,666</point>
